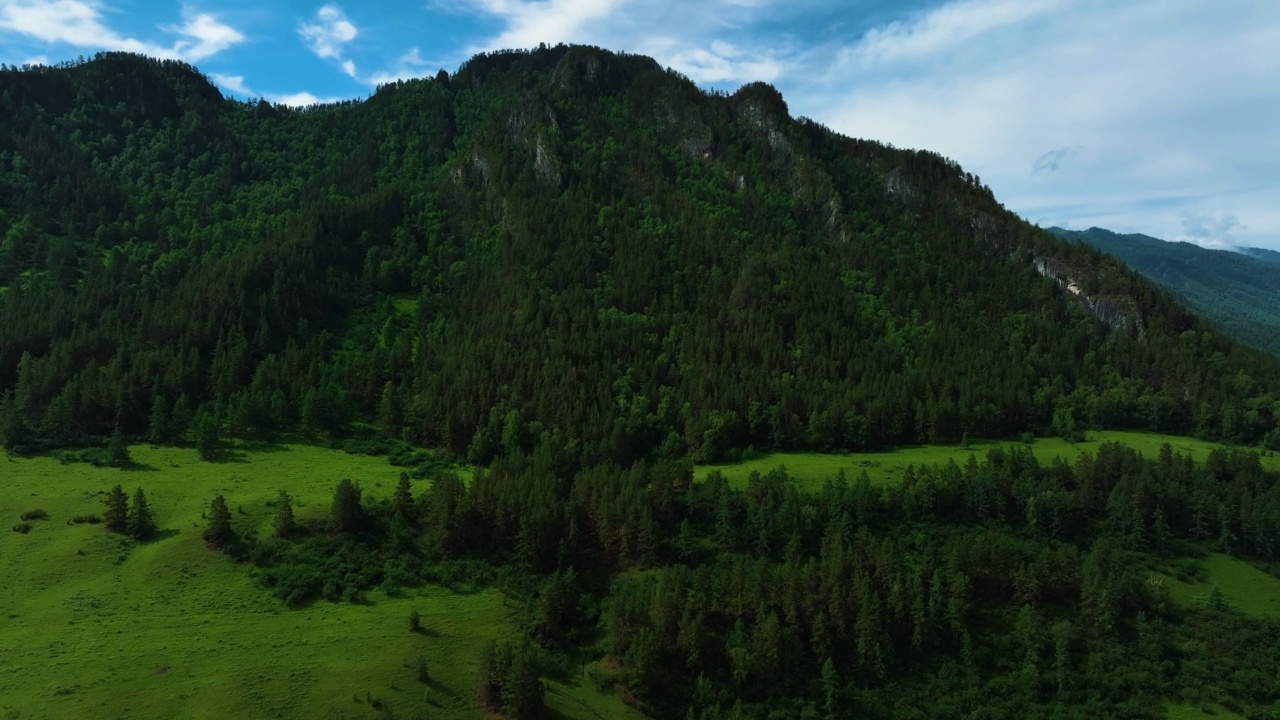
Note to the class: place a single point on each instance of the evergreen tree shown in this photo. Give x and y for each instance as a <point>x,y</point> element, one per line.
<point>158,425</point>
<point>402,500</point>
<point>118,450</point>
<point>286,526</point>
<point>141,524</point>
<point>346,514</point>
<point>219,532</point>
<point>208,442</point>
<point>116,518</point>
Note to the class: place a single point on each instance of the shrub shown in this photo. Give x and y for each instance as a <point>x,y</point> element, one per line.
<point>22,528</point>
<point>36,514</point>
<point>86,519</point>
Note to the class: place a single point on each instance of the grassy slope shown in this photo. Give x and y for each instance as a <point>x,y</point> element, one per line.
<point>812,469</point>
<point>1248,589</point>
<point>91,627</point>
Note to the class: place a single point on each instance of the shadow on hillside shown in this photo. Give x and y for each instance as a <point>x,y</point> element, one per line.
<point>163,534</point>
<point>139,467</point>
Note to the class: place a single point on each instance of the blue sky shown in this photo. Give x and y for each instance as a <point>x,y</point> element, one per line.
<point>1155,116</point>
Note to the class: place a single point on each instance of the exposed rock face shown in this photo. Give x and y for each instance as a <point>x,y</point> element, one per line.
<point>1117,312</point>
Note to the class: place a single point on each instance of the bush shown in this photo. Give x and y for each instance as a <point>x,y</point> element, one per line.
<point>36,514</point>
<point>86,520</point>
<point>22,528</point>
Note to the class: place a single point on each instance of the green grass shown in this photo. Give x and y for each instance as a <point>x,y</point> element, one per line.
<point>93,626</point>
<point>1193,712</point>
<point>1248,589</point>
<point>811,470</point>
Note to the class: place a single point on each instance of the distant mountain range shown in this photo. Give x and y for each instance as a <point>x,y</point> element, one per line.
<point>1236,290</point>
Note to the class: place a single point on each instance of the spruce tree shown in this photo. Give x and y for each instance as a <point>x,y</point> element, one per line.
<point>219,532</point>
<point>402,500</point>
<point>286,526</point>
<point>158,426</point>
<point>208,444</point>
<point>117,515</point>
<point>347,514</point>
<point>118,450</point>
<point>140,524</point>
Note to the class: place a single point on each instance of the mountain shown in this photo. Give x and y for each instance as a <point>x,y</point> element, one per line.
<point>565,241</point>
<point>1237,291</point>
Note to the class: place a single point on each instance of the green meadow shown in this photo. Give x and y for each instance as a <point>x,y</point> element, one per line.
<point>92,625</point>
<point>1244,587</point>
<point>811,470</point>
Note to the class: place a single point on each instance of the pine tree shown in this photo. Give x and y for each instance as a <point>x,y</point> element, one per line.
<point>286,526</point>
<point>208,443</point>
<point>347,514</point>
<point>219,532</point>
<point>117,515</point>
<point>118,450</point>
<point>141,525</point>
<point>158,426</point>
<point>402,500</point>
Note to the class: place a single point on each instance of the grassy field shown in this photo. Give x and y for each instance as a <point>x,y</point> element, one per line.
<point>811,470</point>
<point>1245,587</point>
<point>94,626</point>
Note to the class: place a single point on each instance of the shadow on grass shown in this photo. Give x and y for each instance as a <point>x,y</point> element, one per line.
<point>159,535</point>
<point>139,467</point>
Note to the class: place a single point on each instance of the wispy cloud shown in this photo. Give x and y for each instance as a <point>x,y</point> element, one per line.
<point>327,35</point>
<point>234,83</point>
<point>1050,161</point>
<point>1211,230</point>
<point>409,65</point>
<point>80,24</point>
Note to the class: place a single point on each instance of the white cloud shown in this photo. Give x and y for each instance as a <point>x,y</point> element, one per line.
<point>234,83</point>
<point>349,68</point>
<point>409,65</point>
<point>79,23</point>
<point>301,99</point>
<point>328,32</point>
<point>1159,105</point>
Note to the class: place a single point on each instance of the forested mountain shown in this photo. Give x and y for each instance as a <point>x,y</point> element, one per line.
<point>1237,291</point>
<point>594,248</point>
<point>584,273</point>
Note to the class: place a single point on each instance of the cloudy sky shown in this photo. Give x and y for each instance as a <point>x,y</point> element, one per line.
<point>1155,116</point>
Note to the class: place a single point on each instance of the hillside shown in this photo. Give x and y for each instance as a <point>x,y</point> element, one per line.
<point>1238,292</point>
<point>566,241</point>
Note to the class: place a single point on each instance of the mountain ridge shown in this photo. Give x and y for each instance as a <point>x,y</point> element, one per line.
<point>1236,290</point>
<point>642,267</point>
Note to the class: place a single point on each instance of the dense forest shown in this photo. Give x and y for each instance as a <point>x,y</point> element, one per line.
<point>1237,291</point>
<point>565,242</point>
<point>583,274</point>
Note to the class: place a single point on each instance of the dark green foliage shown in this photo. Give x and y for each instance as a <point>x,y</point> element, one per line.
<point>402,500</point>
<point>346,514</point>
<point>415,621</point>
<point>219,532</point>
<point>421,670</point>
<point>159,428</point>
<point>117,453</point>
<point>22,528</point>
<point>509,682</point>
<point>141,525</point>
<point>37,514</point>
<point>286,525</point>
<point>207,437</point>
<point>86,519</point>
<point>117,514</point>
<point>1237,291</point>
